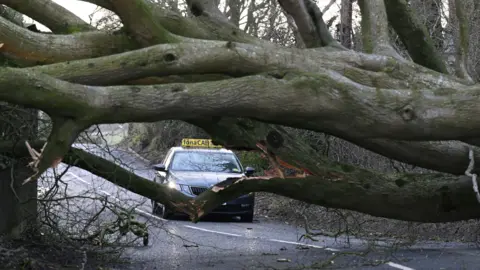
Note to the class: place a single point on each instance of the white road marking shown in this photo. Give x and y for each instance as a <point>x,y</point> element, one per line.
<point>301,244</point>
<point>136,209</point>
<point>78,178</point>
<point>399,266</point>
<point>217,232</point>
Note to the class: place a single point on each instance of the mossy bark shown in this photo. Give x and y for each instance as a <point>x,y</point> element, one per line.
<point>414,35</point>
<point>411,197</point>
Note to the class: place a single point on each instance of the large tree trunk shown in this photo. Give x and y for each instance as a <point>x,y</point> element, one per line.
<point>18,211</point>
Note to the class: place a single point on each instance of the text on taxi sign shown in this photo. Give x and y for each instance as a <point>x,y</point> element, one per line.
<point>201,143</point>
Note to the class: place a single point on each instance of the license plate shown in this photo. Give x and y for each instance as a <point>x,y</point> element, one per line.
<point>224,203</point>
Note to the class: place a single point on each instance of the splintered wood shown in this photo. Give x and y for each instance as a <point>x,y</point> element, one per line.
<point>279,167</point>
<point>36,157</point>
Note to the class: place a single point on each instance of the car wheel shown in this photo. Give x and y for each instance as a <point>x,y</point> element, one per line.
<point>247,217</point>
<point>156,209</point>
<point>166,213</point>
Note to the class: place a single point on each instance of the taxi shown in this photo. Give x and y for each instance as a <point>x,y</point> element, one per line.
<point>195,167</point>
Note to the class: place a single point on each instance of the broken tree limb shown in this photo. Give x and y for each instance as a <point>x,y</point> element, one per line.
<point>411,197</point>
<point>63,134</point>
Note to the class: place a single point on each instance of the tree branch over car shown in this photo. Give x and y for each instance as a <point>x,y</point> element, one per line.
<point>245,88</point>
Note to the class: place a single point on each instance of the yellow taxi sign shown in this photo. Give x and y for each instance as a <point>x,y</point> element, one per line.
<point>199,143</point>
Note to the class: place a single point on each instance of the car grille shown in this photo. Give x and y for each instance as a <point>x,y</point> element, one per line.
<point>198,190</point>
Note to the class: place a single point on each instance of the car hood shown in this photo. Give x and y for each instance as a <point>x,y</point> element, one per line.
<point>202,179</point>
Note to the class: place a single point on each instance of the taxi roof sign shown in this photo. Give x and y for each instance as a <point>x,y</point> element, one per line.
<point>199,143</point>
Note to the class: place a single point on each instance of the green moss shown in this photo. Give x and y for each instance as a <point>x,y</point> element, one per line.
<point>414,35</point>
<point>391,66</point>
<point>71,29</point>
<point>366,32</point>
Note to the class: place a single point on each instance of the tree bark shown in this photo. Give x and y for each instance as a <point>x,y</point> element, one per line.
<point>412,197</point>
<point>18,209</point>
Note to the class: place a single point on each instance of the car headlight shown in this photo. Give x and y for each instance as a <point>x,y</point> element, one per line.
<point>184,188</point>
<point>172,184</point>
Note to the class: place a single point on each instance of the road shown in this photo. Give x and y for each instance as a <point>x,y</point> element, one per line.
<point>263,244</point>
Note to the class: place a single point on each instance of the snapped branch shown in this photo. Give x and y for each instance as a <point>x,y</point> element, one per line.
<point>63,134</point>
<point>433,197</point>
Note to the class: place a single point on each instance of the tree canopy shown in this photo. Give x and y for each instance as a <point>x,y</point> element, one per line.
<point>242,90</point>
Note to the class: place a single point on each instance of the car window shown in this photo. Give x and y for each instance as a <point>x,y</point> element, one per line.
<point>205,162</point>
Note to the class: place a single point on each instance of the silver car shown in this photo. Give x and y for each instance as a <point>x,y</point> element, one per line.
<point>194,170</point>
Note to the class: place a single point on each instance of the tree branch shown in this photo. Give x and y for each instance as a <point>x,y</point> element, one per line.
<point>375,30</point>
<point>305,23</point>
<point>51,14</point>
<point>430,197</point>
<point>63,134</point>
<point>29,48</point>
<point>442,156</point>
<point>414,35</point>
<point>461,40</point>
<point>323,101</point>
<point>178,59</point>
<point>140,24</point>
<point>200,27</point>
<point>322,29</point>
<point>208,8</point>
<point>11,16</point>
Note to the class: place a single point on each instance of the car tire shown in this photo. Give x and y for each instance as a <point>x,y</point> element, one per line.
<point>247,217</point>
<point>166,213</point>
<point>156,209</point>
<point>161,211</point>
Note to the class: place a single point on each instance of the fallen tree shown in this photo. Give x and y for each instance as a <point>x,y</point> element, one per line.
<point>240,89</point>
<point>412,197</point>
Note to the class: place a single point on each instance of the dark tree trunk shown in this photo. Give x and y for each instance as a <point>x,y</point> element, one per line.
<point>16,213</point>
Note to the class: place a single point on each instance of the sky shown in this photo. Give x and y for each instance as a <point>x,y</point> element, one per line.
<point>84,10</point>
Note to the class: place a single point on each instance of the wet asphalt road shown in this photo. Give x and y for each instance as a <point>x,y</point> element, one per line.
<point>263,244</point>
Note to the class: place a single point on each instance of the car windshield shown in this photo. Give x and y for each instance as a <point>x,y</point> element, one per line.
<point>205,162</point>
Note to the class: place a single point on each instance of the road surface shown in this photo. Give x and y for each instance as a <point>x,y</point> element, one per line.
<point>263,244</point>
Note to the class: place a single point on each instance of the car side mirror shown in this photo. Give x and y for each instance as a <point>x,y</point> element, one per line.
<point>249,171</point>
<point>159,167</point>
